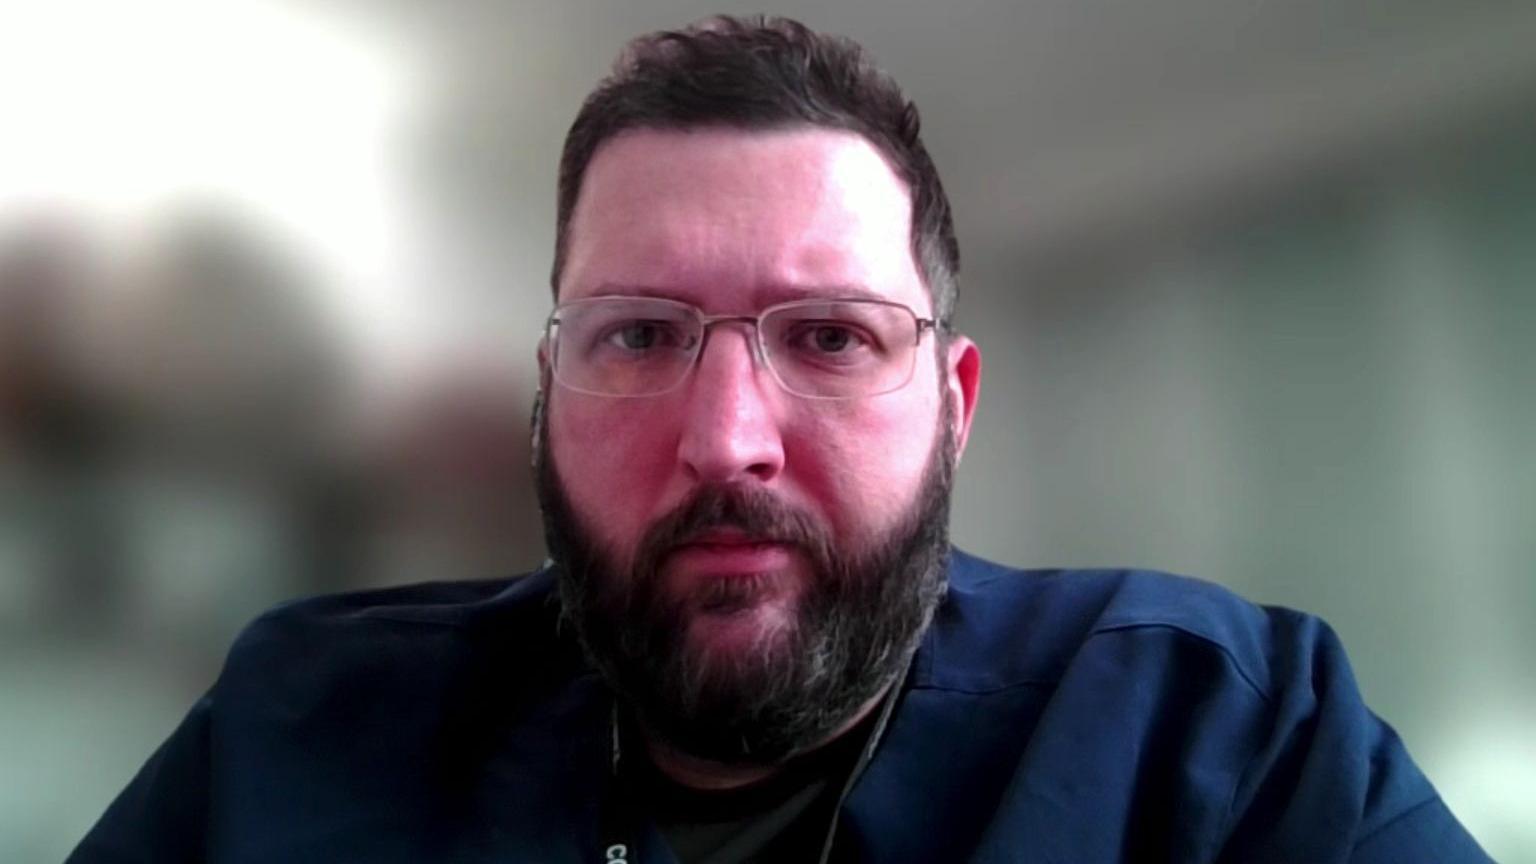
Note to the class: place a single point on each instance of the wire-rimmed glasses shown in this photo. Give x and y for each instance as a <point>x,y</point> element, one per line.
<point>818,349</point>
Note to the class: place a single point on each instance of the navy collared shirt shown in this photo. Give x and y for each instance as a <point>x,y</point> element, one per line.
<point>1049,716</point>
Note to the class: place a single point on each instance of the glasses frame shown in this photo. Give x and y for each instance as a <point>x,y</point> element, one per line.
<point>760,352</point>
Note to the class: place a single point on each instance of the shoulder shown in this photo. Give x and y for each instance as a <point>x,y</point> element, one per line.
<point>430,605</point>
<point>416,640</point>
<point>1099,685</point>
<point>462,608</point>
<point>1002,626</point>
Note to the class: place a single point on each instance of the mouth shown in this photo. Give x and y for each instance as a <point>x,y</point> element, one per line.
<point>725,553</point>
<point>729,538</point>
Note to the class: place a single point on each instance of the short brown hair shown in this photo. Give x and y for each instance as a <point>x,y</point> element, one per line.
<point>764,73</point>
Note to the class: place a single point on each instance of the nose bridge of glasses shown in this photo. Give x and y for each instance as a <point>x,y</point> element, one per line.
<point>751,329</point>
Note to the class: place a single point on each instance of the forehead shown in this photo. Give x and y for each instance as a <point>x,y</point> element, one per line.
<point>734,219</point>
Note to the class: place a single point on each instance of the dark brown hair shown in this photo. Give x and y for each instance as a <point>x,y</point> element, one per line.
<point>764,73</point>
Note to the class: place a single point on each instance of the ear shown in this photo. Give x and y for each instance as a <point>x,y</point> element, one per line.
<point>540,397</point>
<point>963,378</point>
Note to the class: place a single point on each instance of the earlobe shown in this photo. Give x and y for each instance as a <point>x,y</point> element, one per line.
<point>963,373</point>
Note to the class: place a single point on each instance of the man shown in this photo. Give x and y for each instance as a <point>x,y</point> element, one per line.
<point>753,641</point>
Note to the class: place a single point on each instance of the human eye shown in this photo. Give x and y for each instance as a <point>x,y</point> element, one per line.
<point>639,335</point>
<point>827,340</point>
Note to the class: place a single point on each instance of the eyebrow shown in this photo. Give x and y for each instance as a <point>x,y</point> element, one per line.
<point>764,296</point>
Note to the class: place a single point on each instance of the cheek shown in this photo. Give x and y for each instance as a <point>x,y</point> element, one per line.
<point>612,466</point>
<point>865,461</point>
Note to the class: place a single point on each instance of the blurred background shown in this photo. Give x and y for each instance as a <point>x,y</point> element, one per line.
<point>1254,284</point>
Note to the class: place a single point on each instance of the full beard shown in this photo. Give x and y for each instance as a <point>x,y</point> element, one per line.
<point>853,629</point>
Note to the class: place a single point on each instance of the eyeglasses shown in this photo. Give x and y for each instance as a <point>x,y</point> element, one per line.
<point>818,349</point>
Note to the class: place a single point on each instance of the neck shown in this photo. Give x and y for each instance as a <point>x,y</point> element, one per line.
<point>709,776</point>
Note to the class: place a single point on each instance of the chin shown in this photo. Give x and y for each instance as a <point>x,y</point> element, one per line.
<point>765,627</point>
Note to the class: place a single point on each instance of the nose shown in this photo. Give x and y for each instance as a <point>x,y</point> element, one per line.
<point>730,422</point>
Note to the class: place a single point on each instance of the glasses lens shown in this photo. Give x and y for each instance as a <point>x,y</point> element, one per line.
<point>624,346</point>
<point>841,349</point>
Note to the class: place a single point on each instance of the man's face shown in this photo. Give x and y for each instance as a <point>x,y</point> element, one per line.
<point>729,501</point>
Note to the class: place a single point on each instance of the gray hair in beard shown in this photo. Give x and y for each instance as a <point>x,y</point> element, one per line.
<point>855,628</point>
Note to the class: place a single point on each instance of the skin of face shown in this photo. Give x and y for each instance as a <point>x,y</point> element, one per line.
<point>734,221</point>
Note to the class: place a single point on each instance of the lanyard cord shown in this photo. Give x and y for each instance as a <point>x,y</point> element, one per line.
<point>620,822</point>
<point>868,753</point>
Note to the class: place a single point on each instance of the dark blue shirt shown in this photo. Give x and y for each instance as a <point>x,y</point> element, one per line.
<point>1049,716</point>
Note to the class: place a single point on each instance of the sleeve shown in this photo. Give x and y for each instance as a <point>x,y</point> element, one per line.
<point>162,816</point>
<point>1332,782</point>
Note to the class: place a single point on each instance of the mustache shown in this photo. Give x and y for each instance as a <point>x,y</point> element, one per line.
<point>753,511</point>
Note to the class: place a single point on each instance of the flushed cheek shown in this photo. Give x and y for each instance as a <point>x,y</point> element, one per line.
<point>613,467</point>
<point>863,467</point>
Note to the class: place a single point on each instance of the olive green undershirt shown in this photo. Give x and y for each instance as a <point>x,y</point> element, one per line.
<point>783,818</point>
